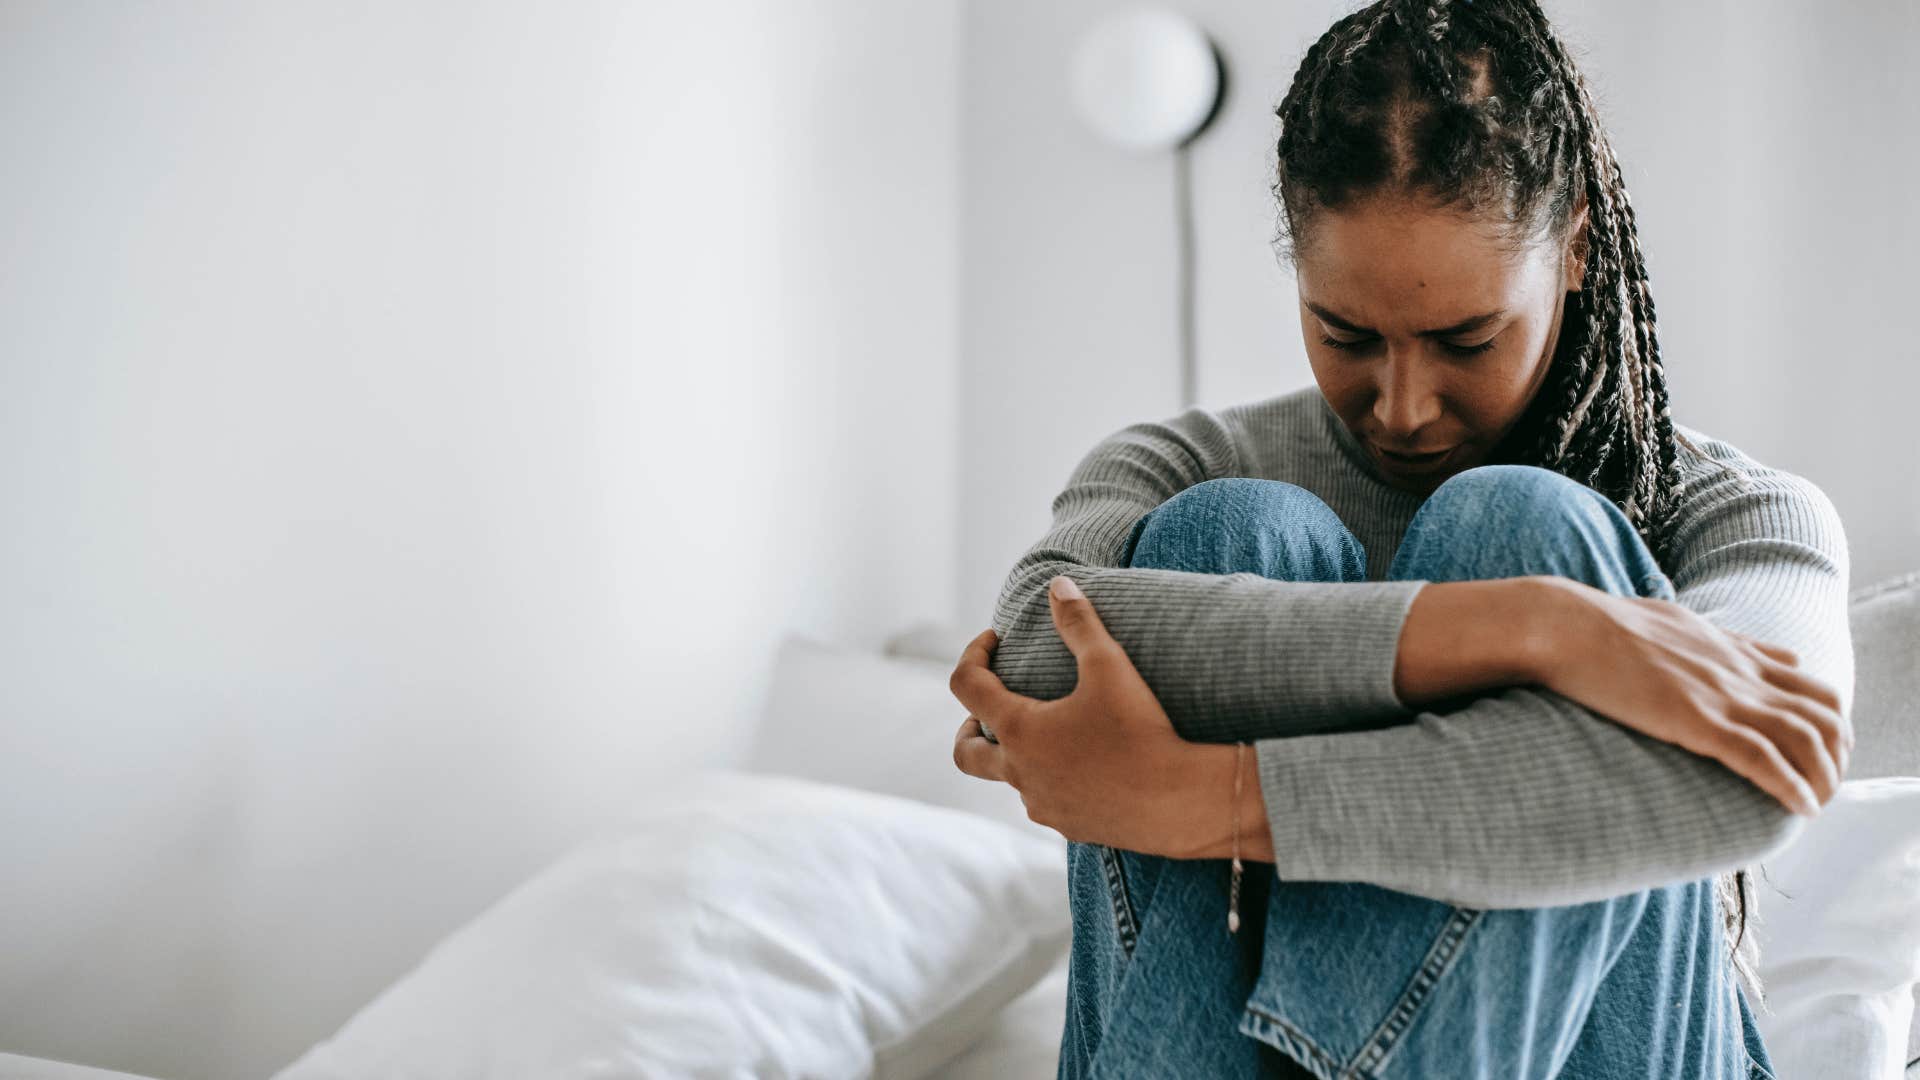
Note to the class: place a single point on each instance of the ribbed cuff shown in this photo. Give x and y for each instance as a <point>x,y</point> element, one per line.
<point>1377,620</point>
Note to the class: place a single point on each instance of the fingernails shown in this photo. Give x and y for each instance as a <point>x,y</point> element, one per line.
<point>1065,588</point>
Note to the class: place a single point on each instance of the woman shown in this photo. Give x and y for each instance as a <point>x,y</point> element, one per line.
<point>1529,671</point>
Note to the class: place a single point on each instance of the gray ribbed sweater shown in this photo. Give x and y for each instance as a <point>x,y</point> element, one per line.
<point>1521,798</point>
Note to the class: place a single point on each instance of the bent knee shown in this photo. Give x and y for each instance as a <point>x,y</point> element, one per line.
<point>1492,502</point>
<point>1239,497</point>
<point>1496,521</point>
<point>1515,492</point>
<point>1247,524</point>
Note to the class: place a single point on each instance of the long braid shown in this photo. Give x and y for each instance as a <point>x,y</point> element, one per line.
<point>1658,480</point>
<point>1385,100</point>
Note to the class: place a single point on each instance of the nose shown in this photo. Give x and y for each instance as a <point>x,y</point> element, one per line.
<point>1407,398</point>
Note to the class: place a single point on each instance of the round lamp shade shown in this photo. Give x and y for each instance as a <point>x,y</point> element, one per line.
<point>1146,79</point>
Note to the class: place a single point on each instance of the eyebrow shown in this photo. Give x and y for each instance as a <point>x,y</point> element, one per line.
<point>1461,327</point>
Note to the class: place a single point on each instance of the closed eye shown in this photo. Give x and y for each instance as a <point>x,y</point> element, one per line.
<point>1336,343</point>
<point>1457,350</point>
<point>1469,350</point>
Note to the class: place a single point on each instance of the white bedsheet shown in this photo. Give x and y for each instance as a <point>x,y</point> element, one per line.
<point>1024,1041</point>
<point>1022,1044</point>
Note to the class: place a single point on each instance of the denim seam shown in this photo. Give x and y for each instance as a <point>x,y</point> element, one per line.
<point>1374,1052</point>
<point>1122,904</point>
<point>1282,1035</point>
<point>1440,958</point>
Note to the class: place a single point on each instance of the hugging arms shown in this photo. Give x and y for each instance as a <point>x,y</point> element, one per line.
<point>1731,699</point>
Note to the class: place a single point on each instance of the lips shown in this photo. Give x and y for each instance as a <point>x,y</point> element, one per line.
<point>1412,462</point>
<point>1425,455</point>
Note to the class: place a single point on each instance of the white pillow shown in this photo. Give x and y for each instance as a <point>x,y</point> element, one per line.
<point>742,925</point>
<point>1840,950</point>
<point>879,723</point>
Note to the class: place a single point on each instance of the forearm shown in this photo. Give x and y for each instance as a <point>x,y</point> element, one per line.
<point>1246,658</point>
<point>1459,639</point>
<point>1230,657</point>
<point>1526,797</point>
<point>1521,799</point>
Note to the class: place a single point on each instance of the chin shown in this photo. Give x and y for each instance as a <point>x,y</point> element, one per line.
<point>1426,484</point>
<point>1420,485</point>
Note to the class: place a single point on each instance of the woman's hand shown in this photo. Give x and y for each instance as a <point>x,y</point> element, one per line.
<point>1659,668</point>
<point>1102,765</point>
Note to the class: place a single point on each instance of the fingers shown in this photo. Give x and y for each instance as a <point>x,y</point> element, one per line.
<point>1790,676</point>
<point>1797,716</point>
<point>1800,682</point>
<point>1778,652</point>
<point>975,755</point>
<point>1802,744</point>
<point>1754,756</point>
<point>1073,616</point>
<point>978,688</point>
<point>1814,699</point>
<point>1816,702</point>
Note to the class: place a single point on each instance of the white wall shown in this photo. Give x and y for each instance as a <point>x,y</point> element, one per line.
<point>417,424</point>
<point>1770,150</point>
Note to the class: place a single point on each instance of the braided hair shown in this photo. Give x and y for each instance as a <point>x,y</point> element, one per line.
<point>1476,106</point>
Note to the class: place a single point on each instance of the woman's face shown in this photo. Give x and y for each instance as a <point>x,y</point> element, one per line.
<point>1427,335</point>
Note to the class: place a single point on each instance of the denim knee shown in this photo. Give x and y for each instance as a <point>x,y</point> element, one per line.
<point>1247,525</point>
<point>1498,521</point>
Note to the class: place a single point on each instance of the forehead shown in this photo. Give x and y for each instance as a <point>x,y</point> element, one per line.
<point>1391,263</point>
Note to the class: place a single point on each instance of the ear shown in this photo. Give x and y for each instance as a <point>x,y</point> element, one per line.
<point>1574,265</point>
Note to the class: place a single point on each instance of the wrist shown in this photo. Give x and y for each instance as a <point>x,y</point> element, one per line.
<point>1551,615</point>
<point>1465,637</point>
<point>1209,794</point>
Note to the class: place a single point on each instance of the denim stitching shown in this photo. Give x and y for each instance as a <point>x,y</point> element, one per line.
<point>1283,1036</point>
<point>1372,1057</point>
<point>1122,904</point>
<point>1440,957</point>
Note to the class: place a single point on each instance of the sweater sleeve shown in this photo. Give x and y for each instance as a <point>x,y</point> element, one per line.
<point>1230,657</point>
<point>1525,798</point>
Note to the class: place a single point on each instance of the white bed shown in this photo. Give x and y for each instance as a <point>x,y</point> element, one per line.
<point>1022,1041</point>
<point>1024,1037</point>
<point>1009,1019</point>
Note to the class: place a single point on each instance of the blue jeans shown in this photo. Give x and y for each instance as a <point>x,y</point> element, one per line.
<point>1352,980</point>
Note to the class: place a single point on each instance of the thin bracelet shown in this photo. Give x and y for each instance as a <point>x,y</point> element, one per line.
<point>1233,888</point>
